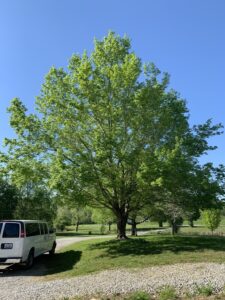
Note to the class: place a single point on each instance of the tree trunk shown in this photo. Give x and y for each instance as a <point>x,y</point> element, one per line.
<point>174,228</point>
<point>191,223</point>
<point>121,226</point>
<point>160,223</point>
<point>133,228</point>
<point>110,226</point>
<point>77,226</point>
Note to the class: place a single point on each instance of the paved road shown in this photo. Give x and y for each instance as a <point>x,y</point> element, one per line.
<point>63,242</point>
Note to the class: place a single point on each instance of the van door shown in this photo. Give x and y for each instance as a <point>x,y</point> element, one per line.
<point>46,238</point>
<point>11,244</point>
<point>42,237</point>
<point>33,238</point>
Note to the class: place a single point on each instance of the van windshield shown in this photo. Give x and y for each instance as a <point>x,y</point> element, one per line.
<point>11,230</point>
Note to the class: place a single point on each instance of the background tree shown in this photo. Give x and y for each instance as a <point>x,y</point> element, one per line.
<point>9,197</point>
<point>103,216</point>
<point>63,218</point>
<point>35,203</point>
<point>80,215</point>
<point>212,218</point>
<point>103,131</point>
<point>136,218</point>
<point>183,184</point>
<point>192,216</point>
<point>157,214</point>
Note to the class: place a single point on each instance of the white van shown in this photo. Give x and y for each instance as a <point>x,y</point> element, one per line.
<point>23,240</point>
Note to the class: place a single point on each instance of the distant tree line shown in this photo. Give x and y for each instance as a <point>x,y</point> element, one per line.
<point>28,202</point>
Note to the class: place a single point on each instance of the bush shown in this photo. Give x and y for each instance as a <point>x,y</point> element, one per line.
<point>212,218</point>
<point>168,293</point>
<point>140,295</point>
<point>205,290</point>
<point>103,229</point>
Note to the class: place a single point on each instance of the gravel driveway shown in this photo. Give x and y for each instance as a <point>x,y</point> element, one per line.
<point>29,285</point>
<point>181,276</point>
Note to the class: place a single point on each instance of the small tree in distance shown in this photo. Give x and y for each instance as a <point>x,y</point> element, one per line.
<point>212,218</point>
<point>103,216</point>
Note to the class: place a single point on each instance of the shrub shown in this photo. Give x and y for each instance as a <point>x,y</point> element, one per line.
<point>205,290</point>
<point>212,218</point>
<point>103,229</point>
<point>139,295</point>
<point>168,293</point>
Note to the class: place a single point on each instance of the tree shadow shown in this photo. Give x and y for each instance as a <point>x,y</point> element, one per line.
<point>69,234</point>
<point>62,262</point>
<point>143,246</point>
<point>73,234</point>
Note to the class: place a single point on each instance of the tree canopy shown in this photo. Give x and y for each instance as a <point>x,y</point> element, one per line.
<point>110,133</point>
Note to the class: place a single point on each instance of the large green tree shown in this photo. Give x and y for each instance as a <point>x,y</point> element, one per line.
<point>184,186</point>
<point>100,127</point>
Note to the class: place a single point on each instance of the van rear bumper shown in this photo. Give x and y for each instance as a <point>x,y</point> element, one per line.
<point>10,260</point>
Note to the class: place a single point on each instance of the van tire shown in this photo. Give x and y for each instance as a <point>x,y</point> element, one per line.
<point>30,260</point>
<point>52,251</point>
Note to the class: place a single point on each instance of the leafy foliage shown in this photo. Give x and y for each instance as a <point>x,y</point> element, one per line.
<point>212,218</point>
<point>109,133</point>
<point>35,203</point>
<point>72,215</point>
<point>9,197</point>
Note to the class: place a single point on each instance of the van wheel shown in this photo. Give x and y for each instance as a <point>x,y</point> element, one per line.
<point>52,251</point>
<point>30,260</point>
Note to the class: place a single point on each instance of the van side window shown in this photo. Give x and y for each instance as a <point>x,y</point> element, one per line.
<point>46,228</point>
<point>42,228</point>
<point>11,230</point>
<point>32,229</point>
<point>51,230</point>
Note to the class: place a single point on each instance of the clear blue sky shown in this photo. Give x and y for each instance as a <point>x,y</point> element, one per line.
<point>183,37</point>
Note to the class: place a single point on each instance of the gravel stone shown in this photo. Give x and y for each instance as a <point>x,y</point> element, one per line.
<point>184,277</point>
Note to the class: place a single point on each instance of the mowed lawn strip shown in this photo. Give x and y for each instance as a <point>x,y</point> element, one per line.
<point>96,255</point>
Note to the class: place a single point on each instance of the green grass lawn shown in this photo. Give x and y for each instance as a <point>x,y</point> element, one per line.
<point>101,254</point>
<point>95,229</point>
<point>86,229</point>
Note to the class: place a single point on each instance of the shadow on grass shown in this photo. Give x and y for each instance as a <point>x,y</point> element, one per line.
<point>68,234</point>
<point>157,245</point>
<point>62,262</point>
<point>151,228</point>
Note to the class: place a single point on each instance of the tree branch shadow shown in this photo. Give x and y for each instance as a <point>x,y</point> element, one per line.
<point>141,246</point>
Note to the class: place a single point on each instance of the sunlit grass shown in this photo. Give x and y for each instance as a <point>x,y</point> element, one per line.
<point>101,254</point>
